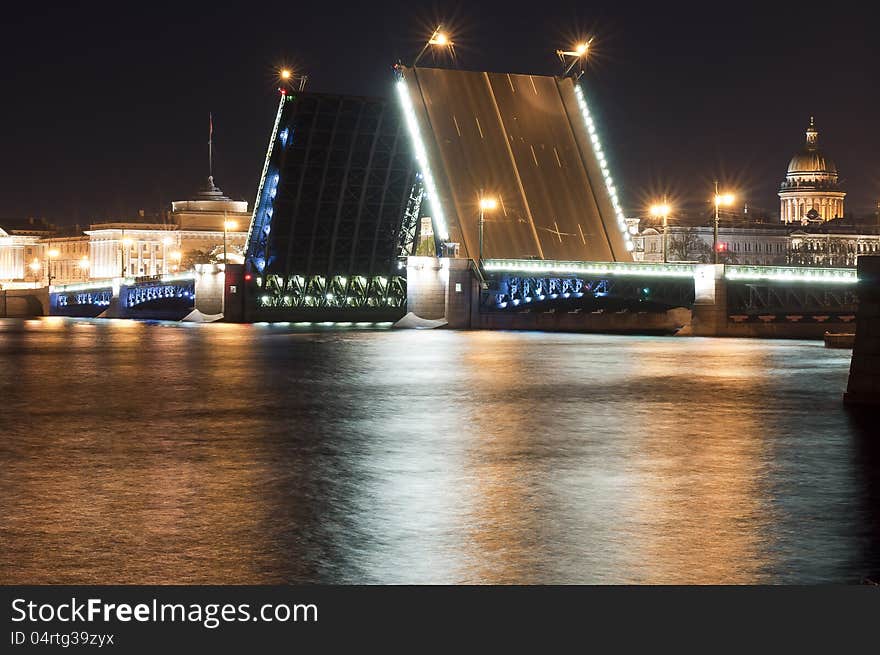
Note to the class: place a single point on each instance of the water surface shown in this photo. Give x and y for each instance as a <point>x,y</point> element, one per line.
<point>157,453</point>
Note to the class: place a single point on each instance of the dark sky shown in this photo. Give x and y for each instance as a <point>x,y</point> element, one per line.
<point>105,107</point>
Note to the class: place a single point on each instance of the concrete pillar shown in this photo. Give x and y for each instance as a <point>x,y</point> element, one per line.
<point>864,372</point>
<point>441,288</point>
<point>710,301</point>
<point>210,288</point>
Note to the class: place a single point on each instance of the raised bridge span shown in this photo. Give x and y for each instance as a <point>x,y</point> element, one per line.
<point>527,140</point>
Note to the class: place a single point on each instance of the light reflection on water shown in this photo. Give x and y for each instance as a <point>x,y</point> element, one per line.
<point>152,453</point>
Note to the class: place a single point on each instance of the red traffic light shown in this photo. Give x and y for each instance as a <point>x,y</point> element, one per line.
<point>721,247</point>
<point>248,277</point>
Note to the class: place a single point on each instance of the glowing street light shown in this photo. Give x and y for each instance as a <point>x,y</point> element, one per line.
<point>578,53</point>
<point>487,204</point>
<point>721,199</point>
<point>35,267</point>
<point>662,210</point>
<point>438,38</point>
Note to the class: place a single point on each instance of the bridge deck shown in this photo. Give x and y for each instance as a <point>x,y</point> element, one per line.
<point>526,140</point>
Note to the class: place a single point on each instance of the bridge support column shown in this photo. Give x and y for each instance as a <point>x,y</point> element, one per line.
<point>441,288</point>
<point>210,288</point>
<point>864,372</point>
<point>709,316</point>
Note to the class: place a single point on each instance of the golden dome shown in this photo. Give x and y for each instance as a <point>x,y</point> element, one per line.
<point>811,162</point>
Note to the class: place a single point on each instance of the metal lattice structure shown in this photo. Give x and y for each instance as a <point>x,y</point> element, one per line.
<point>513,292</point>
<point>782,298</point>
<point>409,228</point>
<point>336,198</point>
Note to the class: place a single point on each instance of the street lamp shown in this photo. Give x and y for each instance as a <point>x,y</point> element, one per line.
<point>487,204</point>
<point>227,225</point>
<point>438,38</point>
<point>177,256</point>
<point>35,267</point>
<point>721,199</point>
<point>661,210</point>
<point>84,265</point>
<point>578,53</point>
<point>51,254</point>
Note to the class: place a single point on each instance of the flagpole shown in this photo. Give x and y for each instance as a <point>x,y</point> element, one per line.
<point>210,145</point>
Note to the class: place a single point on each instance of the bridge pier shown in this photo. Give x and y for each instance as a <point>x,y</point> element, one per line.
<point>24,303</point>
<point>863,387</point>
<point>709,313</point>
<point>442,288</point>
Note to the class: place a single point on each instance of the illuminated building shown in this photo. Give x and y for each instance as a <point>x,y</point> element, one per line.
<point>811,191</point>
<point>194,234</point>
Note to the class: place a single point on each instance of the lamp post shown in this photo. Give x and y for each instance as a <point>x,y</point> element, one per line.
<point>51,254</point>
<point>84,265</point>
<point>227,225</point>
<point>661,210</point>
<point>288,78</point>
<point>487,203</point>
<point>35,267</point>
<point>438,38</point>
<point>580,51</point>
<point>725,199</point>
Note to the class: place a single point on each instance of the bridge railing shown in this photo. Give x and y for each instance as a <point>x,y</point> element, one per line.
<point>544,267</point>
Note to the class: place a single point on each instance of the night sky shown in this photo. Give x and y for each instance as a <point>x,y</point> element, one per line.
<point>105,107</point>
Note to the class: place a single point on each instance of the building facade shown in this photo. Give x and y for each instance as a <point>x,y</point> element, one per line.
<point>811,190</point>
<point>204,229</point>
<point>752,245</point>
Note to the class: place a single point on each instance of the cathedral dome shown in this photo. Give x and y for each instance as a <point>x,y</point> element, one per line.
<point>811,189</point>
<point>811,162</point>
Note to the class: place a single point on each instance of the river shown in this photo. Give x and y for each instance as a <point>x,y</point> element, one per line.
<point>151,453</point>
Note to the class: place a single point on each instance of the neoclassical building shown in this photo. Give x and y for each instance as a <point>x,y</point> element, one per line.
<point>810,192</point>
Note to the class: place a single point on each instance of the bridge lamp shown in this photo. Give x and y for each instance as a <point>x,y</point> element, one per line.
<point>721,200</point>
<point>487,204</point>
<point>438,38</point>
<point>662,210</point>
<point>35,267</point>
<point>579,51</point>
<point>51,254</point>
